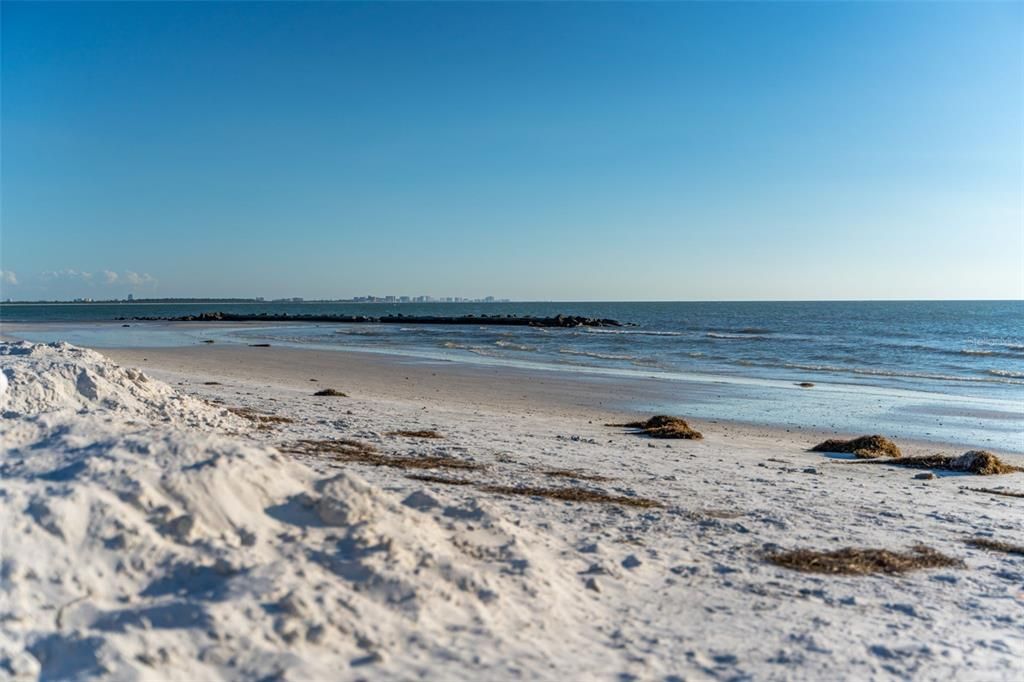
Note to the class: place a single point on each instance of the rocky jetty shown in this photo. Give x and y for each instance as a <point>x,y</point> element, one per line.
<point>498,320</point>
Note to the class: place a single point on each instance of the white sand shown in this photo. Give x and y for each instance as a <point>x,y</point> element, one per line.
<point>147,534</point>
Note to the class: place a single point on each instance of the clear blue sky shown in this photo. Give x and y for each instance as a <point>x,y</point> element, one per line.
<point>533,151</point>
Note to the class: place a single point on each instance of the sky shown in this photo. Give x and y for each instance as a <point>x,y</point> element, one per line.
<point>540,151</point>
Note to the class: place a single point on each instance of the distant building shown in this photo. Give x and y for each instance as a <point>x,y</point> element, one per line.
<point>131,297</point>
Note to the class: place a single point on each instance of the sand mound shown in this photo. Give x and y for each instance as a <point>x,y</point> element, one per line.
<point>137,549</point>
<point>865,447</point>
<point>663,426</point>
<point>59,376</point>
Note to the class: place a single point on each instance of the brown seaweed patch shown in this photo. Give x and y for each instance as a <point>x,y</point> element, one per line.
<point>330,392</point>
<point>995,545</point>
<point>978,462</point>
<point>859,561</point>
<point>572,495</point>
<point>664,426</point>
<point>805,384</point>
<point>996,491</point>
<point>569,473</point>
<point>260,419</point>
<point>865,447</point>
<point>349,450</point>
<point>430,478</point>
<point>426,433</point>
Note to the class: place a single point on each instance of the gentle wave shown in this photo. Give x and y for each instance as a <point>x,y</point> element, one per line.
<point>501,343</point>
<point>739,336</point>
<point>477,350</point>
<point>1006,373</point>
<point>749,331</point>
<point>632,332</point>
<point>600,356</point>
<point>908,375</point>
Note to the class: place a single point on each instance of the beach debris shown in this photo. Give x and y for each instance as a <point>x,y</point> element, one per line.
<point>861,561</point>
<point>572,495</point>
<point>330,392</point>
<point>262,420</point>
<point>663,426</point>
<point>426,433</point>
<point>443,480</point>
<point>864,447</point>
<point>978,462</point>
<point>259,345</point>
<point>924,476</point>
<point>995,545</point>
<point>359,452</point>
<point>125,325</point>
<point>211,383</point>
<point>804,384</point>
<point>206,340</point>
<point>569,473</point>
<point>996,491</point>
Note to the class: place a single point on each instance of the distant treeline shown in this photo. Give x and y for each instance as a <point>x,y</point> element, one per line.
<point>143,300</point>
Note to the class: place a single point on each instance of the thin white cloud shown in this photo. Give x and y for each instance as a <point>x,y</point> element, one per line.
<point>143,280</point>
<point>106,277</point>
<point>68,274</point>
<point>9,277</point>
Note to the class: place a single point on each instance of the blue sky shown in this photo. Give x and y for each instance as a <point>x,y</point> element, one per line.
<point>534,151</point>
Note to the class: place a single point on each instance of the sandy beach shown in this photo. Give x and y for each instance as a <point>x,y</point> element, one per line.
<point>202,541</point>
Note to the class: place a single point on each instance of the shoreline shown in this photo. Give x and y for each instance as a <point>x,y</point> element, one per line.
<point>498,389</point>
<point>929,420</point>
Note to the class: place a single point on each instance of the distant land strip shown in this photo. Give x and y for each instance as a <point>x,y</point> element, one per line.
<point>498,320</point>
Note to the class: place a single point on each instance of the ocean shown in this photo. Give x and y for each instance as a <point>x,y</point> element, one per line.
<point>945,364</point>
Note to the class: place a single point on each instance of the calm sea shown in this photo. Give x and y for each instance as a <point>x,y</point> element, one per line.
<point>968,355</point>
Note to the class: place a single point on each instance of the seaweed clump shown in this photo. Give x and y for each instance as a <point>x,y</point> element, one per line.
<point>995,491</point>
<point>330,392</point>
<point>358,452</point>
<point>569,473</point>
<point>572,495</point>
<point>858,561</point>
<point>444,480</point>
<point>663,426</point>
<point>426,433</point>
<point>995,545</point>
<point>978,462</point>
<point>865,447</point>
<point>261,420</point>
